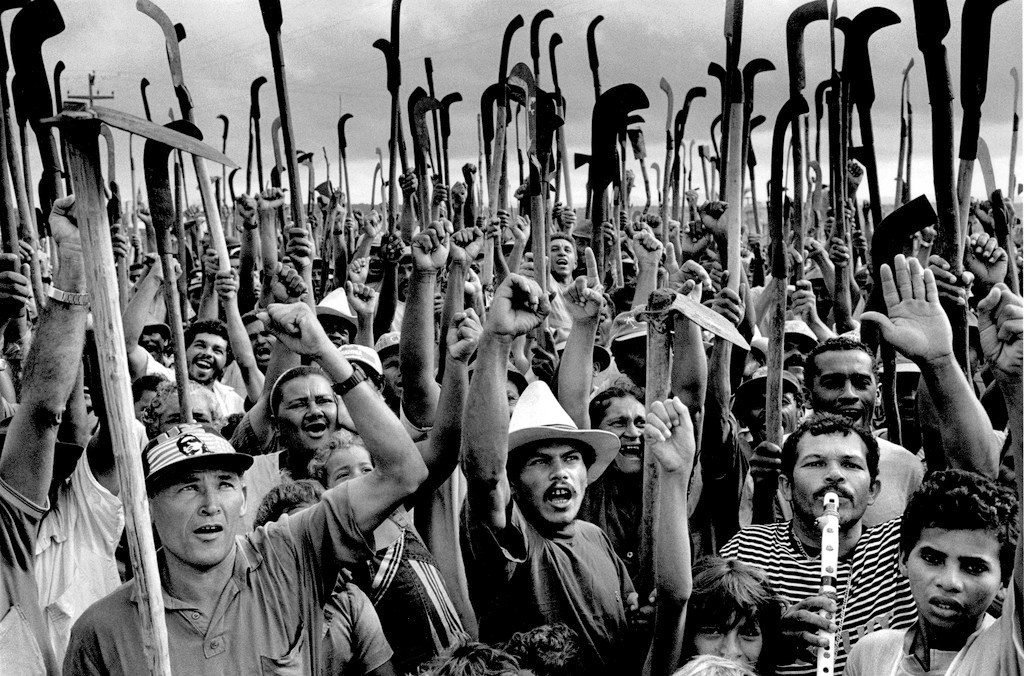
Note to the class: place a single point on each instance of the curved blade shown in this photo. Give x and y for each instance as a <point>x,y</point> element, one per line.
<point>151,10</point>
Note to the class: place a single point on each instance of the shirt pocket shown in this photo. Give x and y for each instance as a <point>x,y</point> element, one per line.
<point>19,651</point>
<point>292,663</point>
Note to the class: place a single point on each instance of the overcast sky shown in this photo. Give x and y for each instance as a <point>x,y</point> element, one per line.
<point>333,68</point>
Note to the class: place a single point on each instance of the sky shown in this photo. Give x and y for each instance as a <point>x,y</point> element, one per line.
<point>332,68</point>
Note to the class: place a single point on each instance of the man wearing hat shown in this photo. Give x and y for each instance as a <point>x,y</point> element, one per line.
<point>528,559</point>
<point>243,603</point>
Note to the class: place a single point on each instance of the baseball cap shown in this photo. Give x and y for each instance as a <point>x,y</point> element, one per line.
<point>364,356</point>
<point>190,447</point>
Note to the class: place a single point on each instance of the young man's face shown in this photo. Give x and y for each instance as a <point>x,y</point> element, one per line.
<point>845,385</point>
<point>742,642</point>
<point>562,254</point>
<point>954,576</point>
<point>830,462</point>
<point>626,418</point>
<point>199,516</point>
<point>337,331</point>
<point>206,357</point>
<point>262,341</point>
<point>154,343</point>
<point>307,414</point>
<point>754,415</point>
<point>550,485</point>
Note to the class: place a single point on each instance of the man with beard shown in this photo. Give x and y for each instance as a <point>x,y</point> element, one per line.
<point>156,338</point>
<point>529,560</point>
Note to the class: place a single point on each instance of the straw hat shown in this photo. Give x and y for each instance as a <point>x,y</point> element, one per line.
<point>539,417</point>
<point>757,384</point>
<point>335,304</point>
<point>797,331</point>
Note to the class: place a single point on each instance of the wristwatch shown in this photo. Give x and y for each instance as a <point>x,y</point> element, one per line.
<point>67,297</point>
<point>343,388</point>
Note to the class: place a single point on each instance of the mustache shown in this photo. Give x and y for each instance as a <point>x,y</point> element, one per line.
<point>838,490</point>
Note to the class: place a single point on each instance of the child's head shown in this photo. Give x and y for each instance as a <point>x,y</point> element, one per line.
<point>473,659</point>
<point>957,543</point>
<point>342,458</point>
<point>285,498</point>
<point>732,607</point>
<point>548,650</point>
<point>710,665</point>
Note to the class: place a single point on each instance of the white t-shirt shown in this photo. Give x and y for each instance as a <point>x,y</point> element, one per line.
<point>75,565</point>
<point>229,400</point>
<point>993,650</point>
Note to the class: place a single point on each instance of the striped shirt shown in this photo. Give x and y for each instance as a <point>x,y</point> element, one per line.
<point>880,597</point>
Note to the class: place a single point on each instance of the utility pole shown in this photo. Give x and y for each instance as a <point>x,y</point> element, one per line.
<point>91,97</point>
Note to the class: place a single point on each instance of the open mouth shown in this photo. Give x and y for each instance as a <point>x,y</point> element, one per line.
<point>631,450</point>
<point>315,428</point>
<point>559,497</point>
<point>205,363</point>
<point>945,607</point>
<point>209,530</point>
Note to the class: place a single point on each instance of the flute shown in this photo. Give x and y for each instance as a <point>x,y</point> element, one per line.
<point>829,523</point>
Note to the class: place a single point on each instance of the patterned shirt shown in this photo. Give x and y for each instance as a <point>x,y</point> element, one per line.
<point>871,592</point>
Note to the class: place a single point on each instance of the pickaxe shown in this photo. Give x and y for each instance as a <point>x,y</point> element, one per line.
<point>255,138</point>
<point>32,26</point>
<point>611,111</point>
<point>57,71</point>
<point>904,95</point>
<point>664,189</point>
<point>679,128</point>
<point>791,111</point>
<point>594,64</point>
<point>750,72</point>
<point>857,70</point>
<point>1013,137</point>
<point>343,151</point>
<point>12,208</point>
<point>932,22</point>
<point>563,153</point>
<point>173,34</point>
<point>755,122</point>
<point>636,139</point>
<point>799,19</point>
<point>390,50</point>
<point>446,132</point>
<point>272,21</point>
<point>429,64</point>
<point>224,147</point>
<point>145,99</point>
<point>420,103</point>
<point>80,129</point>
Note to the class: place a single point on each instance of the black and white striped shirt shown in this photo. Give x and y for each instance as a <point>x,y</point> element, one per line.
<point>880,598</point>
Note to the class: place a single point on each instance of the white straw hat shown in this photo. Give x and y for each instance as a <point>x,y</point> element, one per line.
<point>539,417</point>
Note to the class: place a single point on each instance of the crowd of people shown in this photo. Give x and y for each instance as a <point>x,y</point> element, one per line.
<point>396,459</point>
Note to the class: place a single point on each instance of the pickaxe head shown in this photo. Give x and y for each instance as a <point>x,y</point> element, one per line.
<point>32,26</point>
<point>254,96</point>
<point>446,120</point>
<point>538,19</point>
<point>342,143</point>
<point>667,88</point>
<point>807,13</point>
<point>506,44</point>
<point>856,59</point>
<point>612,110</point>
<point>592,42</point>
<point>974,52</point>
<point>145,99</point>
<point>556,40</point>
<point>750,71</point>
<point>74,110</point>
<point>421,103</point>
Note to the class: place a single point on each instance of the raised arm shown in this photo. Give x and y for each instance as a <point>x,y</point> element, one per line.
<point>247,222</point>
<point>584,301</point>
<point>26,464</point>
<point>226,286</point>
<point>518,307</point>
<point>669,437</point>
<point>147,294</point>
<point>648,252</point>
<point>398,467</point>
<point>416,347</point>
<point>918,328</point>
